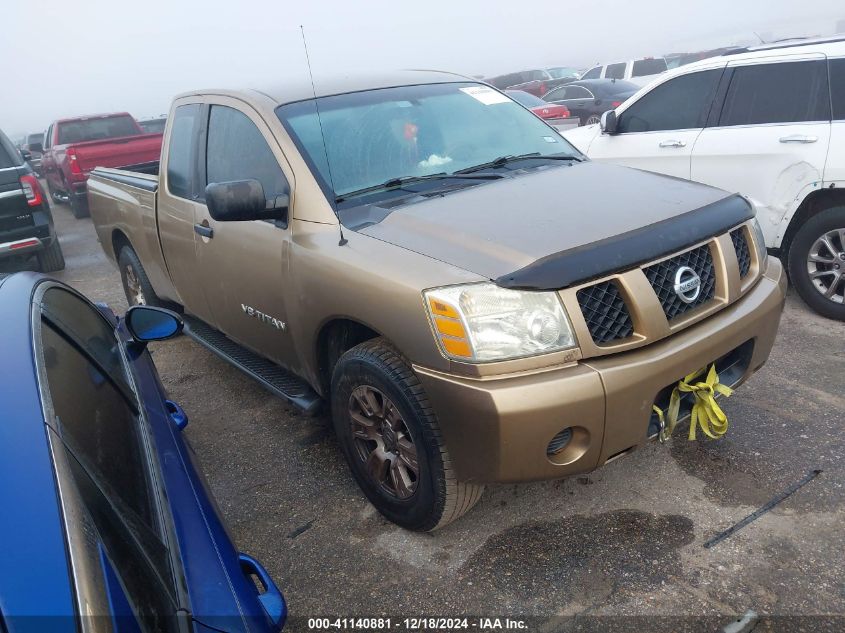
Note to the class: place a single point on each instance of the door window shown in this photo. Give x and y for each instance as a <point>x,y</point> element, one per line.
<point>645,67</point>
<point>615,71</point>
<point>679,104</point>
<point>837,87</point>
<point>237,151</point>
<point>593,73</point>
<point>777,93</point>
<point>558,94</point>
<point>96,409</point>
<point>180,151</point>
<point>99,423</point>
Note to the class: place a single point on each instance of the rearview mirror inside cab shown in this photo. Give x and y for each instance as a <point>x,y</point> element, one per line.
<point>242,200</point>
<point>148,323</point>
<point>608,122</point>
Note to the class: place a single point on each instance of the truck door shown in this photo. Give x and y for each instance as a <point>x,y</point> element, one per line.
<point>178,207</point>
<point>244,264</point>
<point>770,140</point>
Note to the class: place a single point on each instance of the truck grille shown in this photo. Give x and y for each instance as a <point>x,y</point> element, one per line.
<point>743,253</point>
<point>662,279</point>
<point>619,312</point>
<point>605,312</point>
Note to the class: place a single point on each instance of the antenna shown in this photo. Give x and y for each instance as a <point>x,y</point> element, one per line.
<point>343,240</point>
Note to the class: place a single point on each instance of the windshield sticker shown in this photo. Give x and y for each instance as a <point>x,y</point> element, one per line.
<point>486,95</point>
<point>550,139</point>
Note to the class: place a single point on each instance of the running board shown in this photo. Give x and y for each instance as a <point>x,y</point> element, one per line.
<point>278,381</point>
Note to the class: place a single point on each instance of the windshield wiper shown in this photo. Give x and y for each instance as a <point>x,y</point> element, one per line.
<point>397,183</point>
<point>504,160</point>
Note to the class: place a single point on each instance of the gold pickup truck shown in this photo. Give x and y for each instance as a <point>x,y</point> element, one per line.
<point>476,300</point>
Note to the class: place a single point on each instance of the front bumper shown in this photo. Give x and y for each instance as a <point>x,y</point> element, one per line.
<point>498,428</point>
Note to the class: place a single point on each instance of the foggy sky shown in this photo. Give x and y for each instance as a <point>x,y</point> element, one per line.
<point>60,58</point>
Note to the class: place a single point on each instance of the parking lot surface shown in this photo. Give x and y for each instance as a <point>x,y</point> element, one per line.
<point>624,540</point>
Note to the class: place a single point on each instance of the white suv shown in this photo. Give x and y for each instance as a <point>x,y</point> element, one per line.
<point>639,71</point>
<point>767,122</point>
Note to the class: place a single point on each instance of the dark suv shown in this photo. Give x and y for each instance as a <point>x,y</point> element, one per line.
<point>26,224</point>
<point>33,143</point>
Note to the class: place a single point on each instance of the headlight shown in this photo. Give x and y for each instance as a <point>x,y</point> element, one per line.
<point>760,244</point>
<point>482,322</point>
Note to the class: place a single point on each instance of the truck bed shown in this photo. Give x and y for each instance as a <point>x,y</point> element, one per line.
<point>123,209</point>
<point>120,152</point>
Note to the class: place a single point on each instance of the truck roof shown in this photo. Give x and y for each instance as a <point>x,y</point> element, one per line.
<point>92,116</point>
<point>301,89</point>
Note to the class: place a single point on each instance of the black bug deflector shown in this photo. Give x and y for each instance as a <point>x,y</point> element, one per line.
<point>624,251</point>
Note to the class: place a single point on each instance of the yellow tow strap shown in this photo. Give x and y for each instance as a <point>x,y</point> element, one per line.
<point>706,412</point>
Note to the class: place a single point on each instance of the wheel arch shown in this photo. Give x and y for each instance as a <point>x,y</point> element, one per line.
<point>336,337</point>
<point>119,239</point>
<point>816,202</point>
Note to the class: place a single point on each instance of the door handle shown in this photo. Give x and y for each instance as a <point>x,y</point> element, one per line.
<point>177,414</point>
<point>672,144</point>
<point>271,598</point>
<point>798,138</point>
<point>204,230</point>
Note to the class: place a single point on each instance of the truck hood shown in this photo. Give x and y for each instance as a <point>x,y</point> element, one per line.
<point>504,226</point>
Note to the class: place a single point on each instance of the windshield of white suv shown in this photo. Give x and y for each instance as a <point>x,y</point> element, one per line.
<point>375,136</point>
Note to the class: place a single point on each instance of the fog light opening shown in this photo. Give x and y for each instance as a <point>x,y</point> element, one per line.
<point>559,442</point>
<point>568,446</point>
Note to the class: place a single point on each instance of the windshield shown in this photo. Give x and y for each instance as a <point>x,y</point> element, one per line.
<point>97,129</point>
<point>378,135</point>
<point>562,72</point>
<point>153,126</point>
<point>32,139</point>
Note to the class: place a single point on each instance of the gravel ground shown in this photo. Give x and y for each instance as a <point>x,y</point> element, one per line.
<point>626,540</point>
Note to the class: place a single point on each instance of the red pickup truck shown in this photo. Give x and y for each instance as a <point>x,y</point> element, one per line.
<point>73,147</point>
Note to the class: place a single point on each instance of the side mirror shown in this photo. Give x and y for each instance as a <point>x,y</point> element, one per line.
<point>26,155</point>
<point>242,200</point>
<point>148,323</point>
<point>608,122</point>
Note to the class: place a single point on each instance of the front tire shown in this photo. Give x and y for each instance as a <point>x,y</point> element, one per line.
<point>51,260</point>
<point>816,261</point>
<point>392,442</point>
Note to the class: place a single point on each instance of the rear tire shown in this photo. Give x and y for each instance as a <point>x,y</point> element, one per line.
<point>816,261</point>
<point>54,195</point>
<point>136,284</point>
<point>51,260</point>
<point>592,119</point>
<point>412,451</point>
<point>78,207</point>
